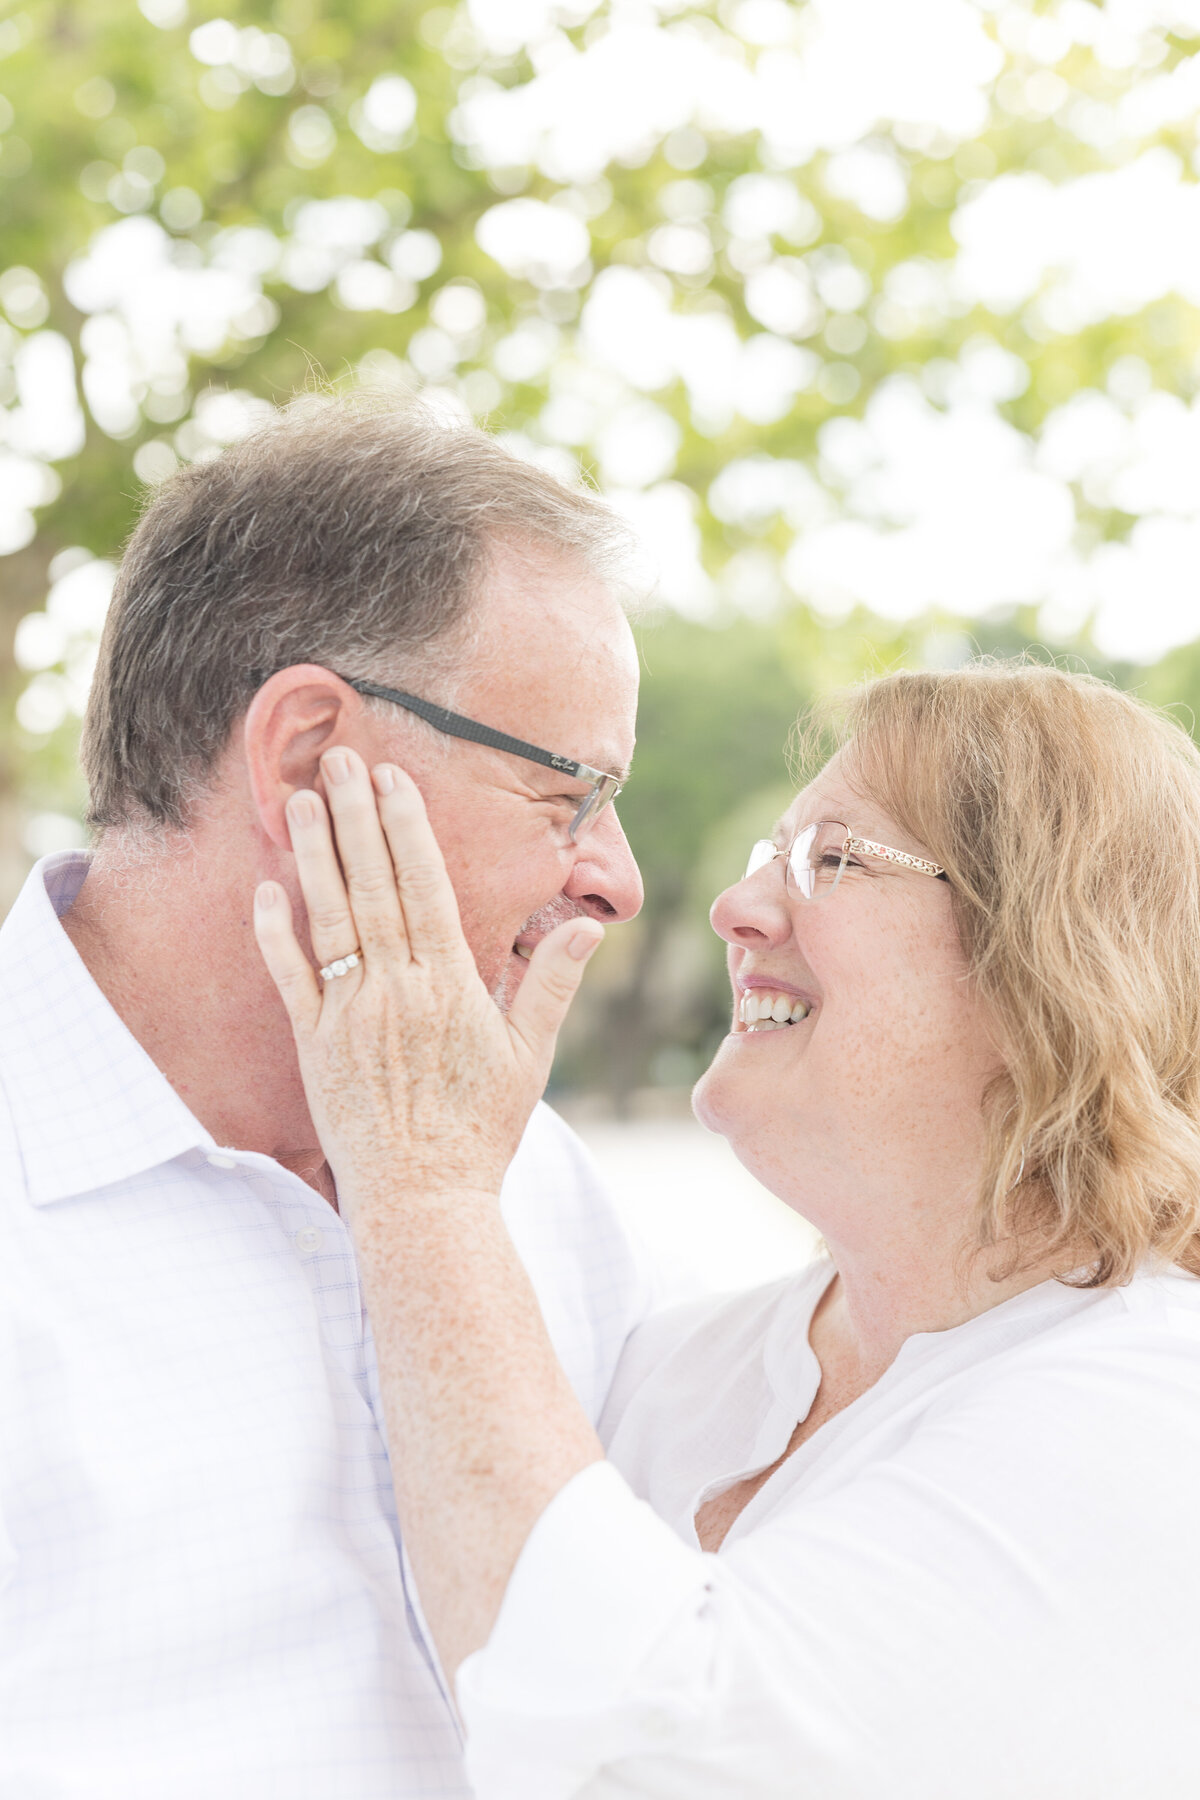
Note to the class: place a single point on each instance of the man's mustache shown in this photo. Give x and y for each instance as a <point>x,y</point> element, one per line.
<point>557,912</point>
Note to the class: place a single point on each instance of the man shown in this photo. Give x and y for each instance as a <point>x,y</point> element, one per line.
<point>202,1591</point>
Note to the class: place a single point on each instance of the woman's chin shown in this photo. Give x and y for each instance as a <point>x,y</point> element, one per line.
<point>702,1104</point>
<point>737,1096</point>
<point>714,1097</point>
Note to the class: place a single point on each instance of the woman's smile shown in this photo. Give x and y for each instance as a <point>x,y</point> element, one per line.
<point>763,1003</point>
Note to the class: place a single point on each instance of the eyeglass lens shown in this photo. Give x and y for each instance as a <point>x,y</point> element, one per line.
<point>601,795</point>
<point>815,860</point>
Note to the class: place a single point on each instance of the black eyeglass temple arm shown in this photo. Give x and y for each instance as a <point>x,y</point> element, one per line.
<point>455,725</point>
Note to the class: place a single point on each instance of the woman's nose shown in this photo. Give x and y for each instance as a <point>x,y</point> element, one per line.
<point>755,911</point>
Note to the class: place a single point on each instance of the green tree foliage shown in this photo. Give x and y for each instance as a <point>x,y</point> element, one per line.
<point>306,192</point>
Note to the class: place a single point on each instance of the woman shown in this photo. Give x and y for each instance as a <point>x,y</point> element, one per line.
<point>927,1510</point>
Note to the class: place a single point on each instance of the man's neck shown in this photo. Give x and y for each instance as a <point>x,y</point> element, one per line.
<point>171,947</point>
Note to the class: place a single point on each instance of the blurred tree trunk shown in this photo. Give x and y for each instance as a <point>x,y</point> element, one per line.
<point>631,1026</point>
<point>14,864</point>
<point>22,589</point>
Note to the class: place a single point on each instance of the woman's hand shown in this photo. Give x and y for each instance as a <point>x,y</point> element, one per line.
<point>420,1089</point>
<point>415,1079</point>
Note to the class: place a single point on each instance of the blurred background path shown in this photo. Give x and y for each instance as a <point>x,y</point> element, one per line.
<point>706,1222</point>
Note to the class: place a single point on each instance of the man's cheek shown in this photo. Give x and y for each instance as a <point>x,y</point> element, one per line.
<point>492,950</point>
<point>512,973</point>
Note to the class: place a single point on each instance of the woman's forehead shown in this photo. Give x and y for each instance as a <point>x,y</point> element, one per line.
<point>833,794</point>
<point>828,795</point>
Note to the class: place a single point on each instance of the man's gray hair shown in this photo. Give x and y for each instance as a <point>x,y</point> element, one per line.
<point>349,533</point>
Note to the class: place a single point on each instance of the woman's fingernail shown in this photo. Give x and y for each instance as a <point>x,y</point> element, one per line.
<point>385,778</point>
<point>336,766</point>
<point>583,943</point>
<point>266,896</point>
<point>301,810</point>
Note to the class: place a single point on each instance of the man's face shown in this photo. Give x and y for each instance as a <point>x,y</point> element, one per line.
<point>556,666</point>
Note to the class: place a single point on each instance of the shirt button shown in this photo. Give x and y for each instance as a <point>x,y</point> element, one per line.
<point>221,1162</point>
<point>307,1241</point>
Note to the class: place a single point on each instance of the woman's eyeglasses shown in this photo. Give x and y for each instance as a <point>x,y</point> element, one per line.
<point>817,856</point>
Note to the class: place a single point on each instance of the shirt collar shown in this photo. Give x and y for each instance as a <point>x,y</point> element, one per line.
<point>89,1107</point>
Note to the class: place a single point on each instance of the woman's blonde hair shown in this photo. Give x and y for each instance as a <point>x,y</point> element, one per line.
<point>1067,816</point>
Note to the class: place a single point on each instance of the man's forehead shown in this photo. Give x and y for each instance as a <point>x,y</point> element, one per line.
<point>557,601</point>
<point>556,662</point>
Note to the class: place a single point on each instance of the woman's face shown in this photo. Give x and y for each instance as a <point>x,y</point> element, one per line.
<point>873,1099</point>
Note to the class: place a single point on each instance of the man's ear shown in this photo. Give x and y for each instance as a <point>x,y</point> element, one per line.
<point>293,718</point>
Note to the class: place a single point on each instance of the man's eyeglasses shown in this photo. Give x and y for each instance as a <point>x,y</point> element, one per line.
<point>816,858</point>
<point>604,788</point>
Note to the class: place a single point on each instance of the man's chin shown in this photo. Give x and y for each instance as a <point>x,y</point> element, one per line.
<point>509,978</point>
<point>504,989</point>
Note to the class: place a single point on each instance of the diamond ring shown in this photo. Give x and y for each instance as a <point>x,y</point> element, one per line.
<point>342,965</point>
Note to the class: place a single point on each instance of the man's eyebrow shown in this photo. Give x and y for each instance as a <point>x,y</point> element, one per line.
<point>619,771</point>
<point>601,767</point>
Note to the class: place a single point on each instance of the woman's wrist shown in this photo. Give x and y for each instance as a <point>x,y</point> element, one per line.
<point>390,1200</point>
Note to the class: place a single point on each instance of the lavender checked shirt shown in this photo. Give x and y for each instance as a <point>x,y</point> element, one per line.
<point>202,1587</point>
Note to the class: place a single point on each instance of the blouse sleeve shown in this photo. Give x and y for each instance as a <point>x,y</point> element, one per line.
<point>956,1620</point>
<point>569,1685</point>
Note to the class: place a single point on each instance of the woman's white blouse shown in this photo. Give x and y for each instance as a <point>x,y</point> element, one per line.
<point>981,1581</point>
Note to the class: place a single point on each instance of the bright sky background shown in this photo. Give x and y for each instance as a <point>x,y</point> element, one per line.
<point>931,499</point>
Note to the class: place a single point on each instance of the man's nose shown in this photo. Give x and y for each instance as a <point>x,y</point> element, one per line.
<point>605,880</point>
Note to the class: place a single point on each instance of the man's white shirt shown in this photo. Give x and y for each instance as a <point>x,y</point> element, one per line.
<point>202,1590</point>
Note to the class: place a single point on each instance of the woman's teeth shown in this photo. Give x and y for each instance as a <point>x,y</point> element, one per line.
<point>761,1010</point>
<point>525,950</point>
